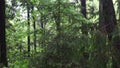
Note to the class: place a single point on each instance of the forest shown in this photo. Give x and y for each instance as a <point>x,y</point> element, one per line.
<point>59,33</point>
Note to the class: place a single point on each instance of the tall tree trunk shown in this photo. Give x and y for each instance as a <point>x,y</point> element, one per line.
<point>42,23</point>
<point>57,18</point>
<point>107,24</point>
<point>3,54</point>
<point>85,32</point>
<point>34,27</point>
<point>107,17</point>
<point>28,19</point>
<point>83,11</point>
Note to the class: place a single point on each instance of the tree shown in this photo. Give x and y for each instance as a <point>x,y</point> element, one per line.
<point>83,11</point>
<point>107,25</point>
<point>28,19</point>
<point>107,19</point>
<point>64,33</point>
<point>83,8</point>
<point>84,30</point>
<point>3,54</point>
<point>57,17</point>
<point>34,27</point>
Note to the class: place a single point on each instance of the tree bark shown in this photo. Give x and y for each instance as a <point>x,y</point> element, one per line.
<point>107,25</point>
<point>107,19</point>
<point>3,54</point>
<point>83,11</point>
<point>58,19</point>
<point>34,27</point>
<point>28,19</point>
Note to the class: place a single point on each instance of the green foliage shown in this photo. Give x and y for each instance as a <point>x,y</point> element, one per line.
<point>69,48</point>
<point>19,64</point>
<point>64,52</point>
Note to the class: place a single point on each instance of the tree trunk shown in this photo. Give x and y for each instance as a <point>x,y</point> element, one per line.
<point>107,24</point>
<point>28,19</point>
<point>34,27</point>
<point>3,54</point>
<point>57,18</point>
<point>42,23</point>
<point>85,32</point>
<point>83,11</point>
<point>107,20</point>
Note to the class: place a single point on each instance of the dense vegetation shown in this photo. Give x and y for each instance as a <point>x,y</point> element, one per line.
<point>60,33</point>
